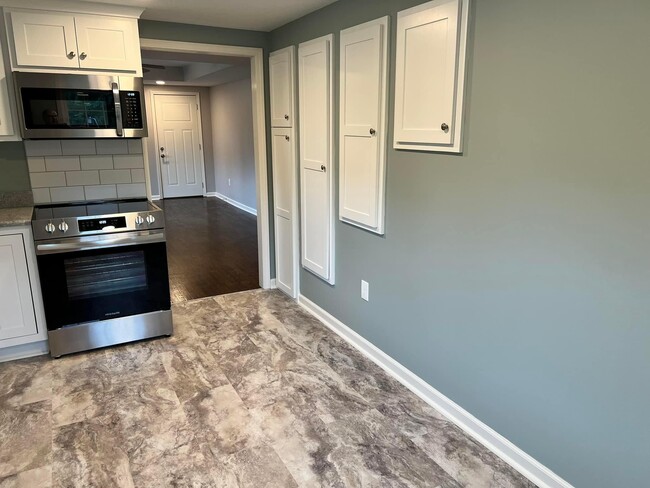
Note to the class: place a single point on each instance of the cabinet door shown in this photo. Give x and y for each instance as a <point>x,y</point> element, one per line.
<point>6,120</point>
<point>363,66</point>
<point>315,105</point>
<point>17,316</point>
<point>281,87</point>
<point>108,43</point>
<point>429,75</point>
<point>285,201</point>
<point>44,39</point>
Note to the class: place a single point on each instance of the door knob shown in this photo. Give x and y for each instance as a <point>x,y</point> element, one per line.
<point>373,132</point>
<point>323,168</point>
<point>444,127</point>
<point>82,56</point>
<point>71,54</point>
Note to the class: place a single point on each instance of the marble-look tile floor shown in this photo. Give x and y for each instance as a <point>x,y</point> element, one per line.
<point>250,392</point>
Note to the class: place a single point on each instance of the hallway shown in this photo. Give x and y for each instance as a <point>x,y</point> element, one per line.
<point>211,248</point>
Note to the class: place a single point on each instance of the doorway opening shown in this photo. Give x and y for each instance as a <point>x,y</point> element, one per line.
<point>206,162</point>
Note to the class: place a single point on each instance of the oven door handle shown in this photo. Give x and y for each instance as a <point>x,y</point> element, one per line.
<point>119,125</point>
<point>78,244</point>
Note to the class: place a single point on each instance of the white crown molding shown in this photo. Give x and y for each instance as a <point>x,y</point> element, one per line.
<point>74,6</point>
<point>495,442</point>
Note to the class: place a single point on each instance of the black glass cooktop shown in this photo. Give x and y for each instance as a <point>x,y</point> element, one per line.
<point>94,209</point>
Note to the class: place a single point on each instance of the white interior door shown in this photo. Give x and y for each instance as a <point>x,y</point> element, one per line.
<point>179,144</point>
<point>17,316</point>
<point>285,201</point>
<point>316,175</point>
<point>107,43</point>
<point>363,67</point>
<point>281,87</point>
<point>425,83</point>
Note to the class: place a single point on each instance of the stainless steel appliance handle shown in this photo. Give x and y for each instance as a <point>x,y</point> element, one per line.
<point>101,242</point>
<point>119,125</point>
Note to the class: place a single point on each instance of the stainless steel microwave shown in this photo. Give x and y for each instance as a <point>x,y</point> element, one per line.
<point>53,106</point>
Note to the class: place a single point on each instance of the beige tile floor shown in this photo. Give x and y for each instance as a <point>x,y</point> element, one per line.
<point>250,392</point>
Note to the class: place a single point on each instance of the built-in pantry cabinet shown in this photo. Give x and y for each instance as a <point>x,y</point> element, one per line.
<point>362,124</point>
<point>74,42</point>
<point>430,76</point>
<point>22,319</point>
<point>285,170</point>
<point>315,86</point>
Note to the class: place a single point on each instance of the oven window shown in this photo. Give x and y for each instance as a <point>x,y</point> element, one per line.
<point>105,274</point>
<point>47,108</point>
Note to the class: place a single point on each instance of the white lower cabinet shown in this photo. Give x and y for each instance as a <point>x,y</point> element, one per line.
<point>21,312</point>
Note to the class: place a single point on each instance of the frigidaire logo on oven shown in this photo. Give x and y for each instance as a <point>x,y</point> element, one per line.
<point>111,314</point>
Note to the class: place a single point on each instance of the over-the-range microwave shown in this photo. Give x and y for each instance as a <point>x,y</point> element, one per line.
<point>54,106</point>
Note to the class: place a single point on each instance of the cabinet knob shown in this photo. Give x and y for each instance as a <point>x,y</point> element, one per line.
<point>373,132</point>
<point>323,168</point>
<point>162,149</point>
<point>444,127</point>
<point>286,117</point>
<point>71,54</point>
<point>286,138</point>
<point>83,56</point>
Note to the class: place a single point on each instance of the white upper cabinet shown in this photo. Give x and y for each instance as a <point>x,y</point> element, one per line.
<point>72,42</point>
<point>7,108</point>
<point>363,69</point>
<point>107,43</point>
<point>430,75</point>
<point>44,39</point>
<point>316,175</point>
<point>281,87</point>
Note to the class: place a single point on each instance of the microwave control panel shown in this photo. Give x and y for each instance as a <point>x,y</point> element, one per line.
<point>131,109</point>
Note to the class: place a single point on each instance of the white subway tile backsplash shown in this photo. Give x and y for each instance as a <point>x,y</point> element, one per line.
<point>101,192</point>
<point>96,162</point>
<point>78,147</point>
<point>41,195</point>
<point>36,164</point>
<point>132,190</point>
<point>112,176</point>
<point>44,180</point>
<point>137,175</point>
<point>43,148</point>
<point>112,146</point>
<point>131,161</point>
<point>62,163</point>
<point>135,146</point>
<point>79,178</point>
<point>68,194</point>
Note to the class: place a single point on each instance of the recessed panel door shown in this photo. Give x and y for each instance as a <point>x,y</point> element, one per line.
<point>107,43</point>
<point>179,151</point>
<point>281,87</point>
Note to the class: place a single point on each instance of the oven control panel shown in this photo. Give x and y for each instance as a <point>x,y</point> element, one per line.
<point>109,223</point>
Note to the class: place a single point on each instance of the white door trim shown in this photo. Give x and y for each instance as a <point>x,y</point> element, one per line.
<point>197,97</point>
<point>256,56</point>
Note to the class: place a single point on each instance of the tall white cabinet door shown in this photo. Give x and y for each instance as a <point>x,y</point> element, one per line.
<point>44,39</point>
<point>281,87</point>
<point>316,175</point>
<point>362,128</point>
<point>17,316</point>
<point>285,201</point>
<point>107,43</point>
<point>430,67</point>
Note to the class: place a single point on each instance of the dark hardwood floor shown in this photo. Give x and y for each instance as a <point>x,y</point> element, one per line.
<point>211,248</point>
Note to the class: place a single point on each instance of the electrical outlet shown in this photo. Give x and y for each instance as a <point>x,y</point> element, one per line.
<point>228,181</point>
<point>365,290</point>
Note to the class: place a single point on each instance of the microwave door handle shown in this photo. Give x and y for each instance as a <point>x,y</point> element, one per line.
<point>119,126</point>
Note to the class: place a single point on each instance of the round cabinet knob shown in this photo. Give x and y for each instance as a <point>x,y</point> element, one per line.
<point>322,167</point>
<point>444,127</point>
<point>63,227</point>
<point>49,228</point>
<point>139,220</point>
<point>286,117</point>
<point>373,132</point>
<point>150,219</point>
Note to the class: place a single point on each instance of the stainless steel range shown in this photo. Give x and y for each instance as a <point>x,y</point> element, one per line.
<point>103,271</point>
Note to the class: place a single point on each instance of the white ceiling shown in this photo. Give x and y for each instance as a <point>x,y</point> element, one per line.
<point>260,15</point>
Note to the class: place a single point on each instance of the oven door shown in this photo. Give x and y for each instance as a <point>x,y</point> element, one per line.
<point>86,280</point>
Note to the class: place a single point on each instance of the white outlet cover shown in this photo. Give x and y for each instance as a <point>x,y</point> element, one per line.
<point>365,290</point>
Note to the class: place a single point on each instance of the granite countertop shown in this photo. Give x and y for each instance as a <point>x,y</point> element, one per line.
<point>15,216</point>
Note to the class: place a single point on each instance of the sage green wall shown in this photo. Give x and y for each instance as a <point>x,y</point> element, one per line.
<point>515,278</point>
<point>14,175</point>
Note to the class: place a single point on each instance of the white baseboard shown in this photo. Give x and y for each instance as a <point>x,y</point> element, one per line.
<point>232,202</point>
<point>155,197</point>
<point>502,447</point>
<point>23,351</point>
<point>274,284</point>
